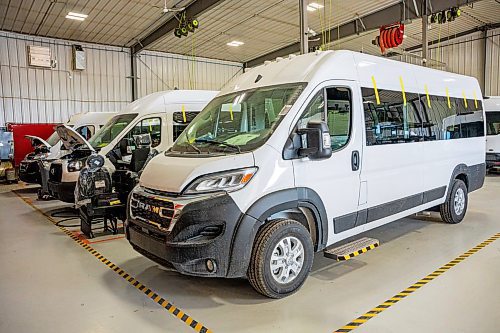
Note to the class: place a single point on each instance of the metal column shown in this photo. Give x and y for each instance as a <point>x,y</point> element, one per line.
<point>425,40</point>
<point>304,41</point>
<point>133,74</point>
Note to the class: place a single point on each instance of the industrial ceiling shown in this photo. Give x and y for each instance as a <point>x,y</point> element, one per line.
<point>262,25</point>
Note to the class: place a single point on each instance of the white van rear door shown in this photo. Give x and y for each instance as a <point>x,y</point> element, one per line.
<point>336,179</point>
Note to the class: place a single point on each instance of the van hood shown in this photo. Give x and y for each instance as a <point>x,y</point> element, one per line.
<point>37,141</point>
<point>71,139</point>
<point>173,174</point>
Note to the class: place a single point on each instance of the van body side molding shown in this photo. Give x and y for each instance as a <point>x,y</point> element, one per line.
<point>352,220</point>
<point>475,178</point>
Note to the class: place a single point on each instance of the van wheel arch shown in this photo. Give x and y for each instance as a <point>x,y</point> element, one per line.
<point>303,203</point>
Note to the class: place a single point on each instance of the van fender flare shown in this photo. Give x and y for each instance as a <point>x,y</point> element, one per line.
<point>272,203</point>
<point>475,176</point>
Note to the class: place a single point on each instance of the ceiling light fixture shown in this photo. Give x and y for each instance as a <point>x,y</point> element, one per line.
<point>76,16</point>
<point>314,6</point>
<point>235,43</point>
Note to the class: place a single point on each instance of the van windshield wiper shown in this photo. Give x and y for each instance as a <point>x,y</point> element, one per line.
<point>190,144</point>
<point>222,143</point>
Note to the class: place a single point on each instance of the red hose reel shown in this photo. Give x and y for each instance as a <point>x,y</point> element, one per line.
<point>390,36</point>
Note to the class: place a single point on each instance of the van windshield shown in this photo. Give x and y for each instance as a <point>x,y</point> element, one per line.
<point>111,130</point>
<point>238,122</point>
<point>493,123</point>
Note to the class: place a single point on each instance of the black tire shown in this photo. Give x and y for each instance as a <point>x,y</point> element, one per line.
<point>447,209</point>
<point>259,271</point>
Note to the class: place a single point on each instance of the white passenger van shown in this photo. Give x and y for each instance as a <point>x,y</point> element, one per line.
<point>492,108</point>
<point>163,115</point>
<point>85,123</point>
<point>299,154</point>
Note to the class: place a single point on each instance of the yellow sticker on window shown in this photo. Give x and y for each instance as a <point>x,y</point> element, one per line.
<point>376,90</point>
<point>428,97</point>
<point>475,99</point>
<point>465,100</point>
<point>448,97</point>
<point>402,89</point>
<point>184,113</point>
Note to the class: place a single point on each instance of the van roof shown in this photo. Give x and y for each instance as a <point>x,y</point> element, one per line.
<point>319,66</point>
<point>146,103</point>
<point>492,103</point>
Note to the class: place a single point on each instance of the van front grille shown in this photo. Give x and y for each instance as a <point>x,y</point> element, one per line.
<point>151,210</point>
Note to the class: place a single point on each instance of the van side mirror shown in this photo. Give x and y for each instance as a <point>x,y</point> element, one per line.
<point>126,146</point>
<point>316,141</point>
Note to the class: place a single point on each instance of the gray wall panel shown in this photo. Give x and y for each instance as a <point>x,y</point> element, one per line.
<point>32,94</point>
<point>162,71</point>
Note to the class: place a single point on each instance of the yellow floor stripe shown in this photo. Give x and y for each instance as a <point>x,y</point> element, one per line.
<point>120,272</point>
<point>408,291</point>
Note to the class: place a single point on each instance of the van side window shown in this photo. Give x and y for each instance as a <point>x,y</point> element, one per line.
<point>86,131</point>
<point>315,111</point>
<point>338,115</point>
<point>179,123</point>
<point>151,126</point>
<point>391,121</point>
<point>454,121</point>
<point>493,122</point>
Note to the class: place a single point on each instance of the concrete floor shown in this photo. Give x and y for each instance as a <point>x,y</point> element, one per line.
<point>49,283</point>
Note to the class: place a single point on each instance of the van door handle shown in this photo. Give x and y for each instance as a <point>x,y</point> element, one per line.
<point>355,160</point>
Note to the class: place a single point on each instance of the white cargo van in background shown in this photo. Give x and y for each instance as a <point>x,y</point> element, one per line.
<point>492,108</point>
<point>85,123</point>
<point>163,115</point>
<point>299,154</point>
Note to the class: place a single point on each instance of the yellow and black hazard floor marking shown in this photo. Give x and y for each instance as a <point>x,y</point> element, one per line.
<point>414,287</point>
<point>184,317</point>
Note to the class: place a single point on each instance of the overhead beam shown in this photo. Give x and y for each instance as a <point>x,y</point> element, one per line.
<point>455,36</point>
<point>371,21</point>
<point>194,9</point>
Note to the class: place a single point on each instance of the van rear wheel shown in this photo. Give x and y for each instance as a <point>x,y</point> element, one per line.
<point>282,257</point>
<point>454,208</point>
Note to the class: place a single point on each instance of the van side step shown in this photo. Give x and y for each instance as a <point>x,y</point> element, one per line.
<point>352,249</point>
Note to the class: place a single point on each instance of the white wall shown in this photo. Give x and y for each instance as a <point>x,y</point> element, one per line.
<point>162,71</point>
<point>29,94</point>
<point>493,63</point>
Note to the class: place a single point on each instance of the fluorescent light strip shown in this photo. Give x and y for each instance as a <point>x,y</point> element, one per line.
<point>77,15</point>
<point>235,43</point>
<point>314,6</point>
<point>75,18</point>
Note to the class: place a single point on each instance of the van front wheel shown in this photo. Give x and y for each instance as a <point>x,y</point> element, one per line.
<point>282,257</point>
<point>454,208</point>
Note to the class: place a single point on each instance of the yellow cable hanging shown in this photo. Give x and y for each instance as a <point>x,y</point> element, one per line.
<point>330,26</point>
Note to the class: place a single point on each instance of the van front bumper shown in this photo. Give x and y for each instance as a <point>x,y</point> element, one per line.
<point>492,160</point>
<point>64,191</point>
<point>211,237</point>
<point>29,172</point>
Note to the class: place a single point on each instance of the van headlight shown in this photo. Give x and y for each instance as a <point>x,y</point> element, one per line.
<point>75,166</point>
<point>225,181</point>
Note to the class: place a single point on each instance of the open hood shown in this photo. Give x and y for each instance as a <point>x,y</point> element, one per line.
<point>71,139</point>
<point>37,141</point>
